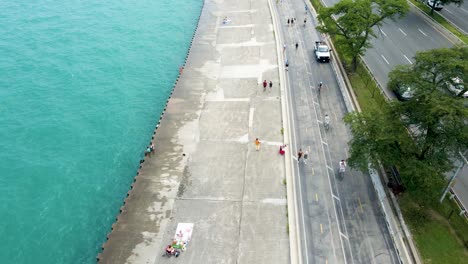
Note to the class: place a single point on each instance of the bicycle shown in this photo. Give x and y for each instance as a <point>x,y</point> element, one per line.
<point>341,170</point>
<point>319,88</point>
<point>326,122</point>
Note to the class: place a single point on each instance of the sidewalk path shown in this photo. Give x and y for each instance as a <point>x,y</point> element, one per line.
<point>206,170</point>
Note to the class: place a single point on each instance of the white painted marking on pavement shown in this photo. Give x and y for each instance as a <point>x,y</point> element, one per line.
<point>251,113</point>
<point>385,59</point>
<point>448,11</point>
<point>330,168</point>
<point>325,143</point>
<point>463,9</point>
<point>343,235</point>
<point>383,32</point>
<point>334,196</point>
<point>407,59</point>
<point>401,30</point>
<point>422,32</point>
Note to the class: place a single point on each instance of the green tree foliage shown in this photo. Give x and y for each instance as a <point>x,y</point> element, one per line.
<point>421,136</point>
<point>352,22</point>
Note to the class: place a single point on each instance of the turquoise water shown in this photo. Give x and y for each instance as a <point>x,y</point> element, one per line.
<point>82,85</point>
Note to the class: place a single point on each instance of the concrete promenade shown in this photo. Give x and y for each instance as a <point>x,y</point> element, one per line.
<point>206,169</point>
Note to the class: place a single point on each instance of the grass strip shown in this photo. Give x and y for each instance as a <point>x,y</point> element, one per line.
<point>441,20</point>
<point>436,237</point>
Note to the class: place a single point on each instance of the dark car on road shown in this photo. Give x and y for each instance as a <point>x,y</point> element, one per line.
<point>402,91</point>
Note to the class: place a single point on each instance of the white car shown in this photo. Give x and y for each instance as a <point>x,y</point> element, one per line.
<point>456,86</point>
<point>438,4</point>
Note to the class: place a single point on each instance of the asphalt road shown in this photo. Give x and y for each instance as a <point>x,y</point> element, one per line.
<point>458,15</point>
<point>340,220</point>
<point>398,42</point>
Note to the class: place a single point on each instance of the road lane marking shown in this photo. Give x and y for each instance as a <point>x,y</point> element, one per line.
<point>251,115</point>
<point>448,11</point>
<point>401,30</point>
<point>325,143</point>
<point>407,59</point>
<point>385,59</point>
<point>328,167</point>
<point>422,32</point>
<point>382,32</point>
<point>334,196</point>
<point>464,10</point>
<point>360,204</point>
<point>343,235</point>
<point>316,197</point>
<point>321,228</point>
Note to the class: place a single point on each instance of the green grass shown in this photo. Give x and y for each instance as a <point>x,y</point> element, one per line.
<point>366,90</point>
<point>441,20</point>
<point>437,238</point>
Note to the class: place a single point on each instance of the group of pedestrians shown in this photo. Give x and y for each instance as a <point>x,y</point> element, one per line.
<point>291,21</point>
<point>265,84</point>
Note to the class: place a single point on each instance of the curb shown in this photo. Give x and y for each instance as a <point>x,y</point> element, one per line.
<point>294,238</point>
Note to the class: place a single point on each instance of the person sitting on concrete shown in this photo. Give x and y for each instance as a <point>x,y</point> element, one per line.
<point>170,250</point>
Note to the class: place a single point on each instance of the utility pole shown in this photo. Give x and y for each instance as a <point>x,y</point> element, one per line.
<point>464,161</point>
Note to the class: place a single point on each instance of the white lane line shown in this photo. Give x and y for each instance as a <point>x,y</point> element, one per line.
<point>422,32</point>
<point>343,235</point>
<point>251,116</point>
<point>385,59</point>
<point>407,59</point>
<point>448,11</point>
<point>382,32</point>
<point>401,30</point>
<point>336,199</point>
<point>325,143</point>
<point>330,168</point>
<point>463,9</point>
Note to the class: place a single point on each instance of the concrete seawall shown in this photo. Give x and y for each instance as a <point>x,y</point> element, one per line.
<point>205,169</point>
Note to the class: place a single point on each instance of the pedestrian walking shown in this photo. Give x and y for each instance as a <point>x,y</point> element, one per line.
<point>306,156</point>
<point>271,85</point>
<point>305,21</point>
<point>264,85</point>
<point>299,155</point>
<point>288,22</point>
<point>286,64</point>
<point>292,22</point>
<point>284,48</point>
<point>297,45</point>
<point>257,144</point>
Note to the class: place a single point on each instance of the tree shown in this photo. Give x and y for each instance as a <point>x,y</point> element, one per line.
<point>420,136</point>
<point>445,2</point>
<point>352,22</point>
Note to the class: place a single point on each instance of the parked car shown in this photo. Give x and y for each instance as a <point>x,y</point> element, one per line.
<point>456,86</point>
<point>402,91</point>
<point>438,4</point>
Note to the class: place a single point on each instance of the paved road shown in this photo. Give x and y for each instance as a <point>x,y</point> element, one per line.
<point>340,220</point>
<point>458,15</point>
<point>398,42</point>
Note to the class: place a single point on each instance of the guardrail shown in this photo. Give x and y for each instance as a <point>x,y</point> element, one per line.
<point>462,208</point>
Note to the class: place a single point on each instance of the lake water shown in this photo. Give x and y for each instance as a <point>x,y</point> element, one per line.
<point>82,86</point>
